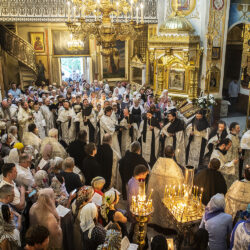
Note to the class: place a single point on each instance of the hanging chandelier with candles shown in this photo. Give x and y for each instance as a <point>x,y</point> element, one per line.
<point>106,20</point>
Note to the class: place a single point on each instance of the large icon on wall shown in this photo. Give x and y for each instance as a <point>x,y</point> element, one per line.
<point>176,79</point>
<point>184,7</point>
<point>114,66</point>
<point>37,41</point>
<point>60,39</point>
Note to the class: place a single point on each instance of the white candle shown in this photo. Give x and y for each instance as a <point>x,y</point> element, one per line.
<point>68,10</point>
<point>137,15</point>
<point>141,13</point>
<point>74,13</point>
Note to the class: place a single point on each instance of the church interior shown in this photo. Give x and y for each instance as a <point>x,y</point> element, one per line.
<point>196,51</point>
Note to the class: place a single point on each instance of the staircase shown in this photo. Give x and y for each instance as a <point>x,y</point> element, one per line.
<point>22,51</point>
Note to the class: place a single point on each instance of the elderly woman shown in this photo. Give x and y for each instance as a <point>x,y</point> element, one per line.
<point>55,167</point>
<point>41,179</point>
<point>84,196</point>
<point>13,133</point>
<point>110,213</point>
<point>46,156</point>
<point>44,213</point>
<point>93,233</point>
<point>217,223</point>
<point>9,235</point>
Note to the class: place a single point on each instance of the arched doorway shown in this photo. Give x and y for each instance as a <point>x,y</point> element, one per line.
<point>233,64</point>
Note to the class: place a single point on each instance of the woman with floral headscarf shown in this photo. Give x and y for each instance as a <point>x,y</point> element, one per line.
<point>93,233</point>
<point>84,196</point>
<point>109,213</point>
<point>44,213</point>
<point>9,235</point>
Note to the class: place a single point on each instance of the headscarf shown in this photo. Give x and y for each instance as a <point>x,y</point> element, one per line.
<point>107,200</point>
<point>47,152</point>
<point>7,230</point>
<point>83,196</point>
<point>41,179</point>
<point>13,156</point>
<point>18,146</point>
<point>112,241</point>
<point>46,201</point>
<point>98,182</point>
<point>4,138</point>
<point>215,206</point>
<point>87,216</point>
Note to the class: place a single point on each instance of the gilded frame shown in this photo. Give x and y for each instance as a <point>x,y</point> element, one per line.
<point>126,67</point>
<point>67,55</point>
<point>35,44</point>
<point>175,7</point>
<point>214,80</point>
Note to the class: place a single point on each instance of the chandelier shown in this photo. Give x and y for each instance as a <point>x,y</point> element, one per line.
<point>106,20</point>
<point>74,43</point>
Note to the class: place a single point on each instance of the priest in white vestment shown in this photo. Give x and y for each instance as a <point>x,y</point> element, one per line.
<point>48,116</point>
<point>57,148</point>
<point>234,150</point>
<point>164,172</point>
<point>245,146</point>
<point>31,137</point>
<point>66,118</point>
<point>227,168</point>
<point>238,195</point>
<point>173,132</point>
<point>86,120</point>
<point>39,120</point>
<point>25,118</point>
<point>130,131</point>
<point>197,133</point>
<point>108,125</point>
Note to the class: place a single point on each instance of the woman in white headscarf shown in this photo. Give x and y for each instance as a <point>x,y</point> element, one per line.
<point>217,223</point>
<point>93,234</point>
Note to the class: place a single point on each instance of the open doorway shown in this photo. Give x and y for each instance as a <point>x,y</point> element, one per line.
<point>75,68</point>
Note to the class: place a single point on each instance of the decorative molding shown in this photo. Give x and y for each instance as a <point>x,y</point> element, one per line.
<point>54,11</point>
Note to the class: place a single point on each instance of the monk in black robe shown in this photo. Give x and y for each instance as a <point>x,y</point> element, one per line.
<point>211,180</point>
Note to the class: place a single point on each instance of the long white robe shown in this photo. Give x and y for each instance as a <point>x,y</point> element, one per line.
<point>107,125</point>
<point>227,168</point>
<point>115,181</point>
<point>67,126</point>
<point>164,172</point>
<point>40,123</point>
<point>237,197</point>
<point>146,146</point>
<point>195,145</point>
<point>49,118</point>
<point>180,144</point>
<point>126,138</point>
<point>23,121</point>
<point>31,139</point>
<point>57,149</point>
<point>245,144</point>
<point>233,152</point>
<point>91,118</point>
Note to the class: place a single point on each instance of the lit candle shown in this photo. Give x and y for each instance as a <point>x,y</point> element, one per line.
<point>83,11</point>
<point>137,15</point>
<point>179,190</point>
<point>74,13</point>
<point>141,13</point>
<point>68,10</point>
<point>173,190</point>
<point>150,194</point>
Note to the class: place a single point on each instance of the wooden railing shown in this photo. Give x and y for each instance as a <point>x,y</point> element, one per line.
<point>17,47</point>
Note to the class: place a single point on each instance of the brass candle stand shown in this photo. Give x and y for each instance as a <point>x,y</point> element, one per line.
<point>141,208</point>
<point>184,205</point>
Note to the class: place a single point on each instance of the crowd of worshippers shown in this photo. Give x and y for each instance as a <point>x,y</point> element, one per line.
<point>80,147</point>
